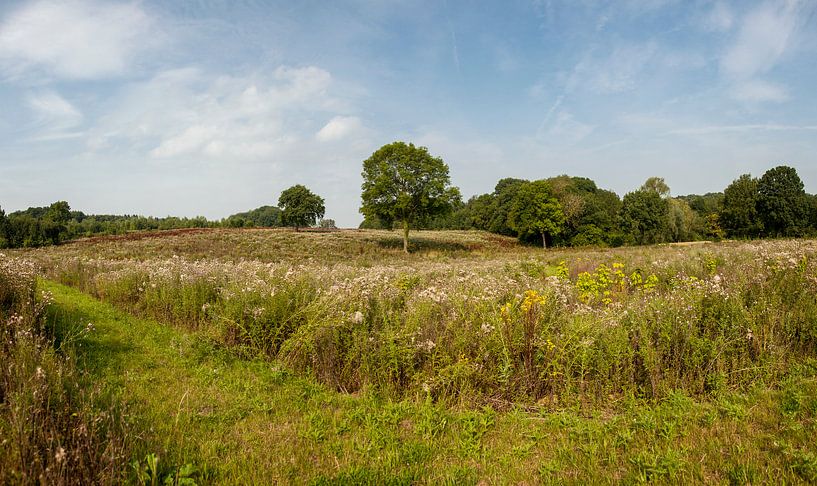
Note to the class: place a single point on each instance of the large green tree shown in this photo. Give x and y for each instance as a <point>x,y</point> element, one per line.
<point>645,216</point>
<point>300,207</point>
<point>781,202</point>
<point>406,184</point>
<point>739,216</point>
<point>536,212</point>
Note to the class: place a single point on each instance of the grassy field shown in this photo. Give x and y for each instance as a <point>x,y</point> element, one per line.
<point>335,358</point>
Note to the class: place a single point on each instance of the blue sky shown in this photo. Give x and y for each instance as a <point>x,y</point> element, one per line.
<point>213,107</point>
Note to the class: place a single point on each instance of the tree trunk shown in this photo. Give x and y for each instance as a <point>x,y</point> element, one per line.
<point>544,241</point>
<point>405,236</point>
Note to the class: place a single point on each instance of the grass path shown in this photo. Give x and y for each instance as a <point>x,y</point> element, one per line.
<point>250,422</point>
<point>238,420</point>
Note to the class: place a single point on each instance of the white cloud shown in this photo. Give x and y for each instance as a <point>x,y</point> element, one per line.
<point>338,128</point>
<point>79,39</point>
<point>187,113</point>
<point>765,34</point>
<point>250,135</point>
<point>757,91</point>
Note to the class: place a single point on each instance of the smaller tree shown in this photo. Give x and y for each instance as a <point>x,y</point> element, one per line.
<point>59,212</point>
<point>739,212</point>
<point>536,212</point>
<point>657,185</point>
<point>55,223</point>
<point>300,207</point>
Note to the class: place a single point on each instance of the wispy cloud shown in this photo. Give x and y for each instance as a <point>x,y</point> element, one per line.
<point>564,130</point>
<point>765,34</point>
<point>75,39</point>
<point>740,128</point>
<point>619,71</point>
<point>54,116</point>
<point>758,91</point>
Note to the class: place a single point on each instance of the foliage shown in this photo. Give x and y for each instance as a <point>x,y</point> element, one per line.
<point>656,185</point>
<point>591,214</point>
<point>504,197</point>
<point>327,224</point>
<point>782,202</point>
<point>405,183</point>
<point>684,223</point>
<point>536,212</point>
<point>645,217</point>
<point>739,215</point>
<point>262,217</point>
<point>705,205</point>
<point>300,207</point>
<point>56,224</point>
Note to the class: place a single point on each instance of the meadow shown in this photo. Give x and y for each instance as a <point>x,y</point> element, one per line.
<point>228,356</point>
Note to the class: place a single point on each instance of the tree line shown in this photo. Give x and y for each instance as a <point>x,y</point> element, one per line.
<point>574,211</point>
<point>57,223</point>
<point>406,187</point>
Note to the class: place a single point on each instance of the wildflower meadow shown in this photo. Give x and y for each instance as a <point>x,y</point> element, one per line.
<point>666,363</point>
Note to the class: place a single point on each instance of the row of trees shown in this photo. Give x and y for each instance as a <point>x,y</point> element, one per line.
<point>404,186</point>
<point>54,224</point>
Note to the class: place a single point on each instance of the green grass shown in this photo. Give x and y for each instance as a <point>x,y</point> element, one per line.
<point>191,402</point>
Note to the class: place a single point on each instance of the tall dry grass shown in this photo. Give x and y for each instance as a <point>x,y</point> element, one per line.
<point>53,428</point>
<point>555,328</point>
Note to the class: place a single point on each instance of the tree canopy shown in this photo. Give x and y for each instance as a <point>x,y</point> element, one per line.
<point>536,212</point>
<point>645,216</point>
<point>406,184</point>
<point>656,185</point>
<point>782,202</point>
<point>300,207</point>
<point>739,215</point>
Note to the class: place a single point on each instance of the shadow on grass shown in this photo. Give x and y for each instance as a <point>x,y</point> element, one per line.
<point>97,352</point>
<point>421,245</point>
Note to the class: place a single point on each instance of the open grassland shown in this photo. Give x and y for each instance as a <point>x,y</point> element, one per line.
<point>333,357</point>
